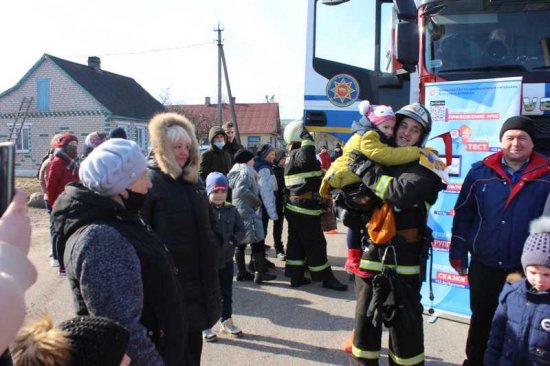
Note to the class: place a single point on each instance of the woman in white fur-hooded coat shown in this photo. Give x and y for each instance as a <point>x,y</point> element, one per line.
<point>177,210</point>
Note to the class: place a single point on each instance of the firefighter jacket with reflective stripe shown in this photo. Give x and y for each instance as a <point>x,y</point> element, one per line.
<point>408,188</point>
<point>302,180</point>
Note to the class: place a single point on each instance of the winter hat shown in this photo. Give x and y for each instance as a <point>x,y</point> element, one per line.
<point>265,150</point>
<point>536,250</point>
<point>518,123</point>
<point>279,155</point>
<point>65,139</point>
<point>118,133</point>
<point>216,180</point>
<point>95,341</point>
<point>95,139</point>
<point>243,156</point>
<point>376,114</point>
<point>112,167</point>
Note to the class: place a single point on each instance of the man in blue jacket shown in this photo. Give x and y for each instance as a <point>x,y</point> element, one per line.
<point>499,197</point>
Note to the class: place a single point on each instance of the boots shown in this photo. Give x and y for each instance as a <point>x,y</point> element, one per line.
<point>260,274</point>
<point>348,343</point>
<point>242,274</point>
<point>299,281</point>
<point>332,283</point>
<point>353,263</point>
<point>267,263</point>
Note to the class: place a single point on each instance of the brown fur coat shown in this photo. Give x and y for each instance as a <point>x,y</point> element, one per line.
<point>163,151</point>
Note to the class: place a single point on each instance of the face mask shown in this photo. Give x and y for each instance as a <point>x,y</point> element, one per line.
<point>134,202</point>
<point>219,144</point>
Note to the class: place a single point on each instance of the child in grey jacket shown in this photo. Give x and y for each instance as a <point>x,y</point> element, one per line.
<point>243,180</point>
<point>228,228</point>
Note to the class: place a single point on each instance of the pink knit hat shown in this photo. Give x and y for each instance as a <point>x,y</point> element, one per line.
<point>376,114</point>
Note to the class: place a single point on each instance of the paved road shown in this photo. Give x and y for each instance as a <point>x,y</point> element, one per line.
<point>282,326</point>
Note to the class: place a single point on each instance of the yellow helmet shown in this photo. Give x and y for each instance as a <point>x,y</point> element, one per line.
<point>292,131</point>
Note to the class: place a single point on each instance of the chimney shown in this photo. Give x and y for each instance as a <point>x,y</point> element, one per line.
<point>94,62</point>
<point>207,101</point>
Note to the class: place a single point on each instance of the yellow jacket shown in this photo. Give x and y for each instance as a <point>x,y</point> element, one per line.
<point>339,174</point>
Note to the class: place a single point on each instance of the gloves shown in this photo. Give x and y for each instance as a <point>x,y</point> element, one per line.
<point>305,135</point>
<point>360,164</point>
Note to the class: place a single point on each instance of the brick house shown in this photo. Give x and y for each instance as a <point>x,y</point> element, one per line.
<point>259,123</point>
<point>70,97</point>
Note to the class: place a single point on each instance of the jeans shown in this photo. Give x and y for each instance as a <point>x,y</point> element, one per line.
<point>226,289</point>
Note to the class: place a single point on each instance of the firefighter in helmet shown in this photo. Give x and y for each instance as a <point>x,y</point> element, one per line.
<point>389,291</point>
<point>307,247</point>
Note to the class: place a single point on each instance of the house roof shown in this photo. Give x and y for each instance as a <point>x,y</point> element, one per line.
<point>120,95</point>
<point>261,118</point>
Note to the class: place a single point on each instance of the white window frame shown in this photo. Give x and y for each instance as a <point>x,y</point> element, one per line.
<point>19,144</point>
<point>258,144</point>
<point>141,134</point>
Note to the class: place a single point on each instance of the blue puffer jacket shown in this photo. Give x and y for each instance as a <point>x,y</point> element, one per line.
<point>520,334</point>
<point>492,215</point>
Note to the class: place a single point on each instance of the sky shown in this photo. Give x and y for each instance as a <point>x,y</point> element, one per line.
<point>264,44</point>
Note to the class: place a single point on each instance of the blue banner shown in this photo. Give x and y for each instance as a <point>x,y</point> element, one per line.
<point>473,112</point>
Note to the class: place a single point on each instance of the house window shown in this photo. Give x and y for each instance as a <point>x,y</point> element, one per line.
<point>141,137</point>
<point>253,141</point>
<point>43,94</point>
<point>23,143</point>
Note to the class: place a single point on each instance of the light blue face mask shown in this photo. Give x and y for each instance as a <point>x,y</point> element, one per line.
<point>219,144</point>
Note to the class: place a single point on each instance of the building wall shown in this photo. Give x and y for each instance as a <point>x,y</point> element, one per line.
<point>247,139</point>
<point>71,109</point>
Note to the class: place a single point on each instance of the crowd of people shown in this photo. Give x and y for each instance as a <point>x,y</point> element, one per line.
<point>149,245</point>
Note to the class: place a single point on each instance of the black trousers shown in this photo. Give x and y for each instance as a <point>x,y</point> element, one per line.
<point>194,348</point>
<point>306,247</point>
<point>406,335</point>
<point>485,286</point>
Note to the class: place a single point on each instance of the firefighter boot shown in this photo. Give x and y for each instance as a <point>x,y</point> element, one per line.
<point>242,273</point>
<point>353,260</point>
<point>332,283</point>
<point>260,274</point>
<point>353,263</point>
<point>298,279</point>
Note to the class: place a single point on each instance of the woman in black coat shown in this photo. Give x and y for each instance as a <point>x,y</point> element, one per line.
<point>177,210</point>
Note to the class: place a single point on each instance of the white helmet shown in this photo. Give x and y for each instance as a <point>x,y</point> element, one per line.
<point>292,131</point>
<point>420,114</point>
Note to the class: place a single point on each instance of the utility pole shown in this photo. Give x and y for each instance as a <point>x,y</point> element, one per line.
<point>222,62</point>
<point>220,50</point>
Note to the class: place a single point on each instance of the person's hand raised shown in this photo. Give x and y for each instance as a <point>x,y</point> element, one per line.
<point>15,224</point>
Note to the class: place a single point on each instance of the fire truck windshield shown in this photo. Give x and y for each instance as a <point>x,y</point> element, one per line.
<point>485,38</point>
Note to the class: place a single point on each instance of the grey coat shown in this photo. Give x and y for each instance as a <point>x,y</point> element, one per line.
<point>243,180</point>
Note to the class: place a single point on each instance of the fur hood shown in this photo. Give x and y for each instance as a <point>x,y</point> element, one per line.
<point>162,148</point>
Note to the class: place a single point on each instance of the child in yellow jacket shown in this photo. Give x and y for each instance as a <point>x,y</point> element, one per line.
<point>371,135</point>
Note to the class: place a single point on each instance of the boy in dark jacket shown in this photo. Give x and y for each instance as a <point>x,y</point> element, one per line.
<point>229,230</point>
<point>521,326</point>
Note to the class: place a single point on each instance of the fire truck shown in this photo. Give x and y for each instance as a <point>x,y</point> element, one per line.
<point>386,51</point>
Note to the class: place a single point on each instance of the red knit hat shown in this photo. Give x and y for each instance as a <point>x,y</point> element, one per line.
<point>65,139</point>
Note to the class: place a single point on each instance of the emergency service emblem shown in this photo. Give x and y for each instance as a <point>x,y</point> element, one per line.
<point>342,90</point>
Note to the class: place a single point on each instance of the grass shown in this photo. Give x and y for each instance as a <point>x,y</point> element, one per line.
<point>28,184</point>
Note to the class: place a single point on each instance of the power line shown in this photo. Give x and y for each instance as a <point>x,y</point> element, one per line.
<point>146,51</point>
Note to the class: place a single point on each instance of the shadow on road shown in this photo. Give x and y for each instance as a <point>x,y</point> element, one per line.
<point>288,308</point>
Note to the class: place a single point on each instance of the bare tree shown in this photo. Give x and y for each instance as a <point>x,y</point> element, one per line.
<point>202,121</point>
<point>164,96</point>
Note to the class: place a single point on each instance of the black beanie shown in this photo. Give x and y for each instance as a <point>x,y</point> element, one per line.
<point>118,133</point>
<point>243,156</point>
<point>95,341</point>
<point>518,123</point>
<point>265,150</point>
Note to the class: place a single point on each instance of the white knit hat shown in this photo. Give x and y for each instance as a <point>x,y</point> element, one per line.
<point>112,167</point>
